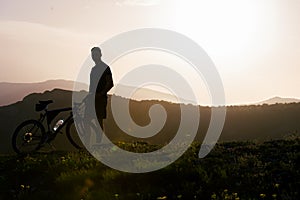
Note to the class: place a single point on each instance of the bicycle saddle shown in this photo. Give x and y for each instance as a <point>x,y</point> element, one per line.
<point>46,102</point>
<point>42,105</point>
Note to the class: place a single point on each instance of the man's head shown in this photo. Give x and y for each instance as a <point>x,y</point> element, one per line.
<point>96,54</point>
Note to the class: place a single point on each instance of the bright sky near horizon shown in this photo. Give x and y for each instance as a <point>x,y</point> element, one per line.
<point>254,44</point>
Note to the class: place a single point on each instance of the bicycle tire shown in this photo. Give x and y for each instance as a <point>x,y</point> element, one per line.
<point>30,134</point>
<point>73,136</point>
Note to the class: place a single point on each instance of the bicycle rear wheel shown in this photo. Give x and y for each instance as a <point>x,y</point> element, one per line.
<point>28,137</point>
<point>73,135</point>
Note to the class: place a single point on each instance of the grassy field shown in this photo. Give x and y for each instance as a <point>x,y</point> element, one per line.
<point>235,170</point>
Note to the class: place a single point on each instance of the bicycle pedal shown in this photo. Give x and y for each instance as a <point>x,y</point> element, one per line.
<point>52,146</point>
<point>44,140</point>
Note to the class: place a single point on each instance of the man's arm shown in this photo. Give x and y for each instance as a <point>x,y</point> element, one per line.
<point>93,81</point>
<point>108,82</point>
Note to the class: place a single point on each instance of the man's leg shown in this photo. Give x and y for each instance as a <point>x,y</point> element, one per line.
<point>100,103</point>
<point>99,134</point>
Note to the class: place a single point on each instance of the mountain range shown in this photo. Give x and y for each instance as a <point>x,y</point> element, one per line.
<point>276,100</point>
<point>14,92</point>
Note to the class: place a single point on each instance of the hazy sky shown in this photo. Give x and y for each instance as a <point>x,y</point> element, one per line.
<point>254,44</point>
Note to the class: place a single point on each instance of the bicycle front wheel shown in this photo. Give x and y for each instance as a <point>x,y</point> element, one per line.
<point>28,137</point>
<point>73,135</point>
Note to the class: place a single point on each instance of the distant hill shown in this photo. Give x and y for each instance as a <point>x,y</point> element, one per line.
<point>13,92</point>
<point>254,122</point>
<point>276,100</point>
<point>146,93</point>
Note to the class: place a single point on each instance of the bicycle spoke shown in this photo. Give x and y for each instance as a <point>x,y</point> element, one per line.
<point>29,143</point>
<point>36,136</point>
<point>23,144</point>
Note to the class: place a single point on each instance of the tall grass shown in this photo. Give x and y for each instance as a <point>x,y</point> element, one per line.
<point>235,170</point>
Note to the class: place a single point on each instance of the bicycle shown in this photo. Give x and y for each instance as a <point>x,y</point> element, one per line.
<point>31,134</point>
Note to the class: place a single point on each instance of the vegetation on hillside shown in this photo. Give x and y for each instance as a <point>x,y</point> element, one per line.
<point>235,170</point>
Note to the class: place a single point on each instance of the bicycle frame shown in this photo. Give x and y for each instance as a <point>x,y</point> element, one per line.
<point>49,115</point>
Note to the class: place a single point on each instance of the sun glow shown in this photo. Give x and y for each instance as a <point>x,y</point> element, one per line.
<point>223,28</point>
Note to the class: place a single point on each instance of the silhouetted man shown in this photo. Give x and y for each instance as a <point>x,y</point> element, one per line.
<point>101,72</point>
